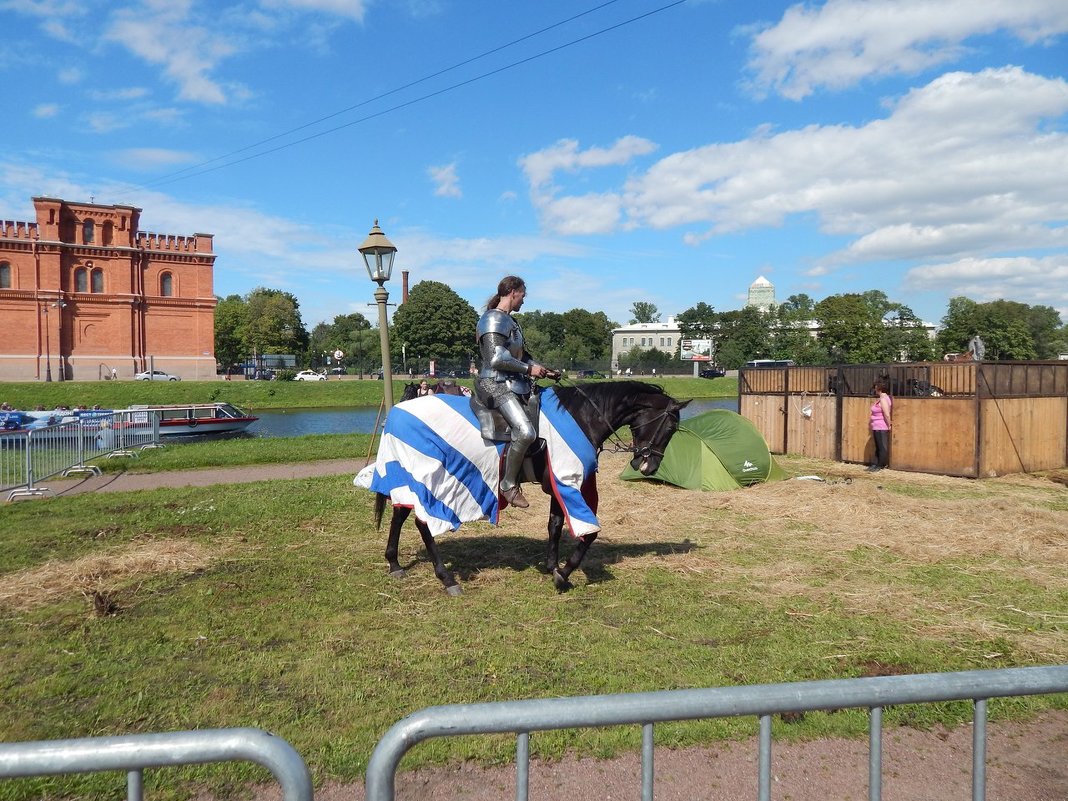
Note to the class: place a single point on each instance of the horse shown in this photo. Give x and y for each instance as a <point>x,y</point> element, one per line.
<point>589,413</point>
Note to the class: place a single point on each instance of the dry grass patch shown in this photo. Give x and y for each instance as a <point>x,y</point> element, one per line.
<point>99,577</point>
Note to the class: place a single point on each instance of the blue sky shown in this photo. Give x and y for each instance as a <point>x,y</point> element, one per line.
<point>608,152</point>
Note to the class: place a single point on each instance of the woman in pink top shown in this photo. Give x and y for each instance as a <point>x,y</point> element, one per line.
<point>881,425</point>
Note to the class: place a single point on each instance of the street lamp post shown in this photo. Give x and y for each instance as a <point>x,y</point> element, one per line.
<point>48,347</point>
<point>378,253</point>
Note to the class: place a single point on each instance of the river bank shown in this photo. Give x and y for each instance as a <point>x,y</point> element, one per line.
<point>262,395</point>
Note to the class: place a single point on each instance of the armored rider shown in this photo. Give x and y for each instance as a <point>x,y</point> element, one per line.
<point>505,380</point>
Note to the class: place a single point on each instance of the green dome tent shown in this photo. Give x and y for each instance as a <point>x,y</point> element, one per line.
<point>715,450</point>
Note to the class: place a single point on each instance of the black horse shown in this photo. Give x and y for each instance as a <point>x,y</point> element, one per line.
<point>599,409</point>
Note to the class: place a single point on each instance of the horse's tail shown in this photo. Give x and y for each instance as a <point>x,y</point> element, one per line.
<point>380,507</point>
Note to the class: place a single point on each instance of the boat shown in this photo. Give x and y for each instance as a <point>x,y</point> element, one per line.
<point>188,419</point>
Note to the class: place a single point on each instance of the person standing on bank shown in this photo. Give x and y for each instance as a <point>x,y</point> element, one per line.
<point>880,425</point>
<point>505,378</point>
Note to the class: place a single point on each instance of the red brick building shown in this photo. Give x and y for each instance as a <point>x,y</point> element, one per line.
<point>84,292</point>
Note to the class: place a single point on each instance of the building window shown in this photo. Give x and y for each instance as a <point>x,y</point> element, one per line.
<point>81,280</point>
<point>669,342</point>
<point>98,280</point>
<point>5,275</point>
<point>88,232</point>
<point>109,233</point>
<point>166,285</point>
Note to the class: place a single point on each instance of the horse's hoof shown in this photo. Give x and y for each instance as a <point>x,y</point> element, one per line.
<point>398,574</point>
<point>455,590</point>
<point>560,582</point>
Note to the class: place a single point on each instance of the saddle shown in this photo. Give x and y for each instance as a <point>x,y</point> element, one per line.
<point>494,426</point>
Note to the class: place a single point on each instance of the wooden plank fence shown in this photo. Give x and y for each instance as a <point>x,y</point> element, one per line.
<point>974,419</point>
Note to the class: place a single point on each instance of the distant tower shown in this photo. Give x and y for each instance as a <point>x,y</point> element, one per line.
<point>761,294</point>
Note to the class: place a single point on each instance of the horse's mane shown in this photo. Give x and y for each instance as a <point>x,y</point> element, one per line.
<point>607,392</point>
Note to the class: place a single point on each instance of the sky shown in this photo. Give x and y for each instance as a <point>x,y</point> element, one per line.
<point>662,151</point>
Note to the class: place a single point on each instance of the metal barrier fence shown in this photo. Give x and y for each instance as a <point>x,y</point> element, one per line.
<point>66,448</point>
<point>135,753</point>
<point>523,717</point>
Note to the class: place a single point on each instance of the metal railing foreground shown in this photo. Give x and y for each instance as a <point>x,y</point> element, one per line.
<point>646,709</point>
<point>135,753</point>
<point>67,448</point>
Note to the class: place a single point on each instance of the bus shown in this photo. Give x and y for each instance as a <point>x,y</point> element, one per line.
<point>770,363</point>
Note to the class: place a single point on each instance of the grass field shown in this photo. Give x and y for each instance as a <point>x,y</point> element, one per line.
<point>268,605</point>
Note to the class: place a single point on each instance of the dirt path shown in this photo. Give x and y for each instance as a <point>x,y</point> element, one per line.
<point>1026,761</point>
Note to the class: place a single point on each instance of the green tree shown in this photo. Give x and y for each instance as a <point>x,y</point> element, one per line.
<point>643,312</point>
<point>434,323</point>
<point>698,322</point>
<point>344,334</point>
<point>959,325</point>
<point>272,323</point>
<point>905,338</point>
<point>743,335</point>
<point>851,327</point>
<point>230,319</point>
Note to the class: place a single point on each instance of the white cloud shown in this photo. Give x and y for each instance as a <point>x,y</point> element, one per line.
<point>46,110</point>
<point>103,122</point>
<point>565,156</point>
<point>842,42</point>
<point>1035,281</point>
<point>127,93</point>
<point>70,75</point>
<point>152,158</point>
<point>352,9</point>
<point>187,54</point>
<point>447,182</point>
<point>959,164</point>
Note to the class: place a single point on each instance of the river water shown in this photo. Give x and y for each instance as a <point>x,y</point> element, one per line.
<point>361,419</point>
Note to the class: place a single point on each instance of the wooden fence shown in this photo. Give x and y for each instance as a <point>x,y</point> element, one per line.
<point>974,419</point>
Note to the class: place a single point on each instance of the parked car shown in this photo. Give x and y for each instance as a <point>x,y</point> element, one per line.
<point>309,375</point>
<point>156,375</point>
<point>589,374</point>
<point>713,372</point>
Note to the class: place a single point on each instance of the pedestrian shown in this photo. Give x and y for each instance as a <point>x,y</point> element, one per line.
<point>881,424</point>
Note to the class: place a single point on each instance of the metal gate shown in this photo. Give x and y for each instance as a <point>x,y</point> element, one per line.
<point>646,709</point>
<point>134,753</point>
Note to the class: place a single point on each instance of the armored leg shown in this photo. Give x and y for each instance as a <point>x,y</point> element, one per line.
<point>523,435</point>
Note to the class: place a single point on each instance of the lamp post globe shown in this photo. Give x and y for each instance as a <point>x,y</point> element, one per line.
<point>378,253</point>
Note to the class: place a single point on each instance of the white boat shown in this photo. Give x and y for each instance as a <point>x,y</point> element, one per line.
<point>188,419</point>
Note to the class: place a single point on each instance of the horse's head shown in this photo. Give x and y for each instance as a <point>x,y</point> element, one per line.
<point>600,408</point>
<point>411,390</point>
<point>655,421</point>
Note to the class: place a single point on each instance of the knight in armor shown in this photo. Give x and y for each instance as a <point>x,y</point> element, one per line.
<point>506,378</point>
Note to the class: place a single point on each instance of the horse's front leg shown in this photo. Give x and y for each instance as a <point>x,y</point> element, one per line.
<point>444,575</point>
<point>562,575</point>
<point>556,527</point>
<point>396,522</point>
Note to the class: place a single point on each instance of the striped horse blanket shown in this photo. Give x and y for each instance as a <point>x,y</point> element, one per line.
<point>432,458</point>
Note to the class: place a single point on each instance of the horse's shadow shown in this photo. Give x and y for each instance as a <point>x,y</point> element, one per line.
<point>470,555</point>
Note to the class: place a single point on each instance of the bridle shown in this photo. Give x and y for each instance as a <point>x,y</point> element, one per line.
<point>648,450</point>
<point>619,445</point>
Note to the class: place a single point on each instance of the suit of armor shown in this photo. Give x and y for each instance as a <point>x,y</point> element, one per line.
<point>504,382</point>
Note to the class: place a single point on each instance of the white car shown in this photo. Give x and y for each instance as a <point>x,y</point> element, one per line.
<point>156,375</point>
<point>309,375</point>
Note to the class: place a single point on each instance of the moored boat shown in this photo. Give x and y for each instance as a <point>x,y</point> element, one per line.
<point>196,418</point>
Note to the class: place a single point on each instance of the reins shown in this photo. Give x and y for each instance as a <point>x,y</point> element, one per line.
<point>620,445</point>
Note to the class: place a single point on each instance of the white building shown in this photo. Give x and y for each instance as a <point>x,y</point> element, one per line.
<point>662,336</point>
<point>762,295</point>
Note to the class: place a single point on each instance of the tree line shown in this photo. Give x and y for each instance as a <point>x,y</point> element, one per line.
<point>436,324</point>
